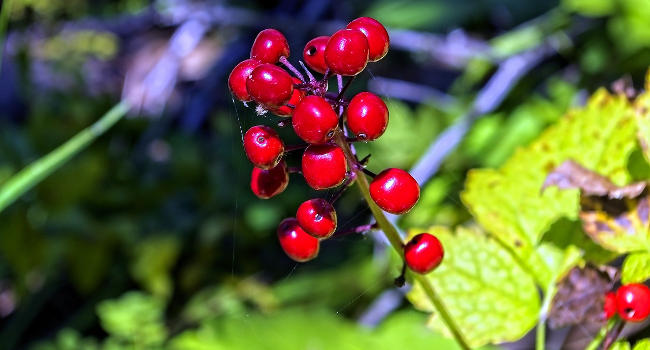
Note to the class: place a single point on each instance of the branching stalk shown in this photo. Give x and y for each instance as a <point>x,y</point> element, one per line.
<point>396,242</point>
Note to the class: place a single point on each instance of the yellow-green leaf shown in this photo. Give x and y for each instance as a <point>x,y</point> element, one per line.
<point>508,202</point>
<point>485,290</point>
<point>636,268</point>
<point>643,344</point>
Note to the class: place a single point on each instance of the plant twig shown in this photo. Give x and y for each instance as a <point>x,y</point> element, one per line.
<point>396,242</point>
<point>34,173</point>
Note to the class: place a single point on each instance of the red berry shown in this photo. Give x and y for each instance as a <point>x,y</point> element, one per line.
<point>269,85</point>
<point>268,183</point>
<point>423,253</point>
<point>314,54</point>
<point>346,52</point>
<point>238,77</point>
<point>376,34</point>
<point>317,217</point>
<point>269,46</point>
<point>296,97</point>
<point>633,302</point>
<point>297,243</point>
<point>314,120</point>
<point>395,191</point>
<point>324,166</point>
<point>609,308</point>
<point>367,116</point>
<point>263,146</point>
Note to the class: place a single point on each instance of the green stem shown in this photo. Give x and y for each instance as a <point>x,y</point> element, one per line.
<point>396,241</point>
<point>595,343</point>
<point>34,173</point>
<point>4,20</point>
<point>540,336</point>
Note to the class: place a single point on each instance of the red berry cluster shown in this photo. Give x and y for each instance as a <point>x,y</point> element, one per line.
<point>326,122</point>
<point>631,302</point>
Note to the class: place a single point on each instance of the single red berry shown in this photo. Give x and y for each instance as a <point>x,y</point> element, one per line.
<point>346,52</point>
<point>263,146</point>
<point>324,166</point>
<point>314,120</point>
<point>269,46</point>
<point>633,302</point>
<point>378,40</point>
<point>314,53</point>
<point>270,85</point>
<point>367,116</point>
<point>423,253</point>
<point>609,308</point>
<point>317,217</point>
<point>270,182</point>
<point>238,77</point>
<point>296,97</point>
<point>295,242</point>
<point>395,191</point>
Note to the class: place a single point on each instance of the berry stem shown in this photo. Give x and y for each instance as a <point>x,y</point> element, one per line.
<point>342,90</point>
<point>311,76</point>
<point>396,242</point>
<point>351,176</point>
<point>293,69</point>
<point>612,335</point>
<point>295,147</point>
<point>595,343</point>
<point>358,229</point>
<point>368,172</point>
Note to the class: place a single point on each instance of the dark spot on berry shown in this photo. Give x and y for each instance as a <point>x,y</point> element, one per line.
<point>318,217</point>
<point>261,139</point>
<point>362,136</point>
<point>330,134</point>
<point>311,51</point>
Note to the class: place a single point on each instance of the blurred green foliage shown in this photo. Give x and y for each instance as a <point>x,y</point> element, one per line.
<point>127,247</point>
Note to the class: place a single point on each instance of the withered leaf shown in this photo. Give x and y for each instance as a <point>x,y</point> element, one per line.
<point>616,217</point>
<point>573,175</point>
<point>580,297</point>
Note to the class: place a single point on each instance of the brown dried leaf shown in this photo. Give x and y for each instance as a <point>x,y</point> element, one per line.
<point>580,297</point>
<point>616,217</point>
<point>573,175</point>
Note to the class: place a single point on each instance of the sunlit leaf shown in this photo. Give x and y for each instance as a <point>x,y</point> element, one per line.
<point>507,201</point>
<point>485,290</point>
<point>135,317</point>
<point>636,268</point>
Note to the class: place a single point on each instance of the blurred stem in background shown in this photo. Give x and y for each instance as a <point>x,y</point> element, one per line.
<point>34,173</point>
<point>4,20</point>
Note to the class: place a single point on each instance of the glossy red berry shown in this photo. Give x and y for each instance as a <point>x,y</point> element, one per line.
<point>266,183</point>
<point>633,302</point>
<point>346,52</point>
<point>367,116</point>
<point>269,46</point>
<point>395,191</point>
<point>423,253</point>
<point>263,146</point>
<point>296,243</point>
<point>317,217</point>
<point>269,85</point>
<point>296,97</point>
<point>324,166</point>
<point>238,77</point>
<point>314,120</point>
<point>376,34</point>
<point>609,308</point>
<point>314,54</point>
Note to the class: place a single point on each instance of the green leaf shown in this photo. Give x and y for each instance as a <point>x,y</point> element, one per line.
<point>590,7</point>
<point>643,119</point>
<point>621,345</point>
<point>153,260</point>
<point>135,317</point>
<point>643,344</point>
<point>491,298</point>
<point>636,268</point>
<point>507,201</point>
